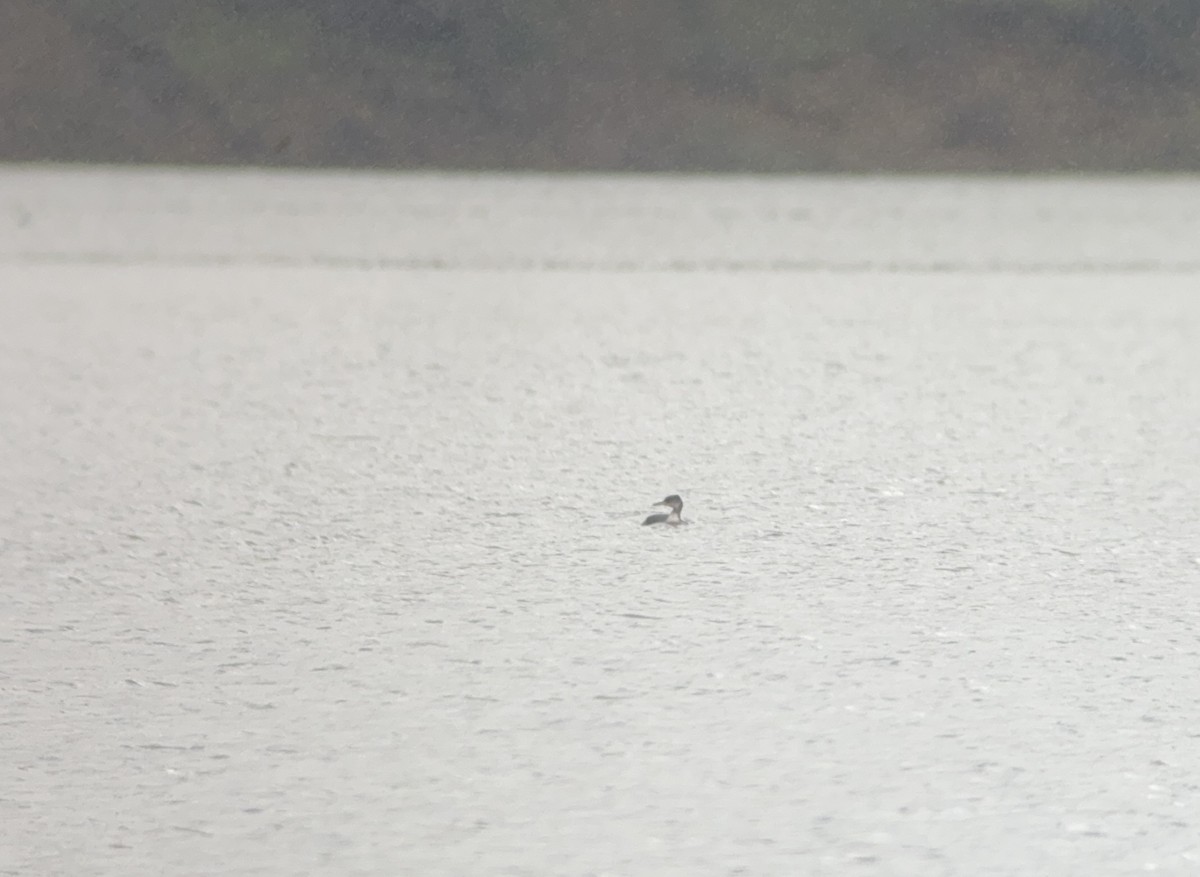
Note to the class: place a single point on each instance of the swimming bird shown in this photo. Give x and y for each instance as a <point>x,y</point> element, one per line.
<point>675,504</point>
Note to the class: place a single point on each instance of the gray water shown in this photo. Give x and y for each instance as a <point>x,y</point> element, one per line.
<point>321,543</point>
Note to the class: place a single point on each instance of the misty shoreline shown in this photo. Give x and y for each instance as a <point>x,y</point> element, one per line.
<point>469,86</point>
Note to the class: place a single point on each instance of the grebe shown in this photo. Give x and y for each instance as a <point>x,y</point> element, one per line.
<point>675,504</point>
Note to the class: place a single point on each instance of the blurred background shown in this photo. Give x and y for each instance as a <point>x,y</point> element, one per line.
<point>722,85</point>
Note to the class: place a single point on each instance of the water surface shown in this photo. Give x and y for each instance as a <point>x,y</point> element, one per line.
<point>322,546</point>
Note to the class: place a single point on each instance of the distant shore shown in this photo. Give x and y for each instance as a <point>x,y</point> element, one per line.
<point>946,86</point>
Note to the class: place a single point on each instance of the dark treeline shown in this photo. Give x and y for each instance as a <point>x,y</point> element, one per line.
<point>756,85</point>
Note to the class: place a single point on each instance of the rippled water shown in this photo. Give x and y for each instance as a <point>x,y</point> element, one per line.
<point>321,543</point>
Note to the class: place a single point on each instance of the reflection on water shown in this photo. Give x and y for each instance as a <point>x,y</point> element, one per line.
<point>347,557</point>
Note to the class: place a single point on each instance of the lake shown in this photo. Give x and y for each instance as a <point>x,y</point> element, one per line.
<point>322,544</point>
